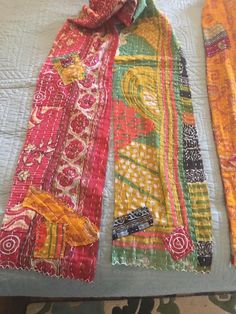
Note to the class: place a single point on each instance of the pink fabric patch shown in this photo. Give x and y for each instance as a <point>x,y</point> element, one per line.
<point>178,243</point>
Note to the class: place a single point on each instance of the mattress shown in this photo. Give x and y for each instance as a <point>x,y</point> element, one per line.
<point>28,28</point>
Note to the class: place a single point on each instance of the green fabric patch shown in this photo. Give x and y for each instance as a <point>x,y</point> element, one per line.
<point>141,7</point>
<point>156,259</point>
<point>151,139</point>
<point>138,45</point>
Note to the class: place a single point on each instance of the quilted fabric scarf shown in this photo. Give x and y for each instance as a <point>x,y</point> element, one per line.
<point>162,214</point>
<point>219,27</point>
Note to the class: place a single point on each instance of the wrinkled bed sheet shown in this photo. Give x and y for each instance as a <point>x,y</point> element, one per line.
<point>28,28</point>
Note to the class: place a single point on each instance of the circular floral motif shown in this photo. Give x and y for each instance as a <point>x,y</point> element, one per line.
<point>74,149</point>
<point>88,81</point>
<point>179,242</point>
<point>79,123</point>
<point>87,101</point>
<point>39,96</point>
<point>9,244</point>
<point>67,176</point>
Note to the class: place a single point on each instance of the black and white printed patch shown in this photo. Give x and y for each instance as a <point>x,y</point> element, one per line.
<point>135,221</point>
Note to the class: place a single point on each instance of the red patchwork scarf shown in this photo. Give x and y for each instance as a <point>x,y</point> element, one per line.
<point>65,151</point>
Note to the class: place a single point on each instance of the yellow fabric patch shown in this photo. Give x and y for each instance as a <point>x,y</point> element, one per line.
<point>50,240</point>
<point>70,68</point>
<point>148,29</point>
<point>139,89</point>
<point>79,230</point>
<point>138,182</point>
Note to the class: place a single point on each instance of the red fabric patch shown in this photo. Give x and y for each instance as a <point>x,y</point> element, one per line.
<point>98,12</point>
<point>178,243</point>
<point>126,118</point>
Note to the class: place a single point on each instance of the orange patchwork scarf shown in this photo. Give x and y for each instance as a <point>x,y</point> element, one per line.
<point>219,27</point>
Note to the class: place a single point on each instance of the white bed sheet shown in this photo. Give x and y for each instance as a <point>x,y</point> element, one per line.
<point>28,28</point>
